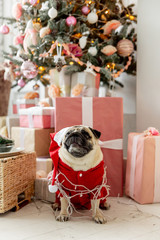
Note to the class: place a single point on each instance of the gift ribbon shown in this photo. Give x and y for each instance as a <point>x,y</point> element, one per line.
<point>156,197</point>
<point>87,120</point>
<point>133,163</point>
<point>22,133</point>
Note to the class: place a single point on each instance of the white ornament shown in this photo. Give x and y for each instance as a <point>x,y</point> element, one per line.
<point>83,42</point>
<point>45,6</point>
<point>92,51</point>
<point>53,188</point>
<point>92,17</point>
<point>52,13</point>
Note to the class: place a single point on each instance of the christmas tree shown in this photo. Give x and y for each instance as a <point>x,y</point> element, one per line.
<point>78,34</point>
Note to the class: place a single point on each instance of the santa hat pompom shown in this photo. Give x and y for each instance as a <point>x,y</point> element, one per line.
<point>53,188</point>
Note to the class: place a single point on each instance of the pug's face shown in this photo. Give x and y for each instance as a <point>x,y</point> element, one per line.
<point>78,140</point>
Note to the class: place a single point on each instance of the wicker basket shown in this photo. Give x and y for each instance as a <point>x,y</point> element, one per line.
<point>17,175</point>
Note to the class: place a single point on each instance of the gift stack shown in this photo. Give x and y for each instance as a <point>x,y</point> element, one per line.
<point>36,122</point>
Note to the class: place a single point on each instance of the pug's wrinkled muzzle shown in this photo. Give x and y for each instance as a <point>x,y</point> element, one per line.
<point>77,145</point>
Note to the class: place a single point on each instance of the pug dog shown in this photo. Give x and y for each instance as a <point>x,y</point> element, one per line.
<point>80,171</point>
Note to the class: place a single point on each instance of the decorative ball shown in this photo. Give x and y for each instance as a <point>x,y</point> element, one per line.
<point>29,70</point>
<point>33,2</point>
<point>18,39</point>
<point>83,42</point>
<point>21,82</point>
<point>4,29</point>
<point>52,13</point>
<point>92,51</point>
<point>85,10</point>
<point>125,47</point>
<point>36,87</point>
<point>108,50</point>
<point>71,21</point>
<point>17,11</point>
<point>92,17</point>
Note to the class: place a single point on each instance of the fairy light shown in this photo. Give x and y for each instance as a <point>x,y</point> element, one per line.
<point>71,63</point>
<point>107,11</point>
<point>131,17</point>
<point>41,69</point>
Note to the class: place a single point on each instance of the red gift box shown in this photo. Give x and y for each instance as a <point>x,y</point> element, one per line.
<point>37,117</point>
<point>105,115</point>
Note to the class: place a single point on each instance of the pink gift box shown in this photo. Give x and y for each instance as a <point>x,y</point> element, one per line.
<point>23,104</point>
<point>105,115</point>
<point>37,117</point>
<point>143,168</point>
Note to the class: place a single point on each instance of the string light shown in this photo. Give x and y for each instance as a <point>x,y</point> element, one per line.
<point>131,17</point>
<point>71,63</point>
<point>107,11</point>
<point>41,69</point>
<point>89,2</point>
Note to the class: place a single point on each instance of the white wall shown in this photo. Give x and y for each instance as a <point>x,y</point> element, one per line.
<point>148,72</point>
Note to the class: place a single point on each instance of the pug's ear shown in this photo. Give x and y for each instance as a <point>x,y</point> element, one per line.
<point>96,133</point>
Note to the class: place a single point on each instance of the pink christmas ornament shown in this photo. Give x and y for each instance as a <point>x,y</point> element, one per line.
<point>33,2</point>
<point>109,50</point>
<point>111,25</point>
<point>17,11</point>
<point>21,82</point>
<point>71,21</point>
<point>29,70</point>
<point>18,40</point>
<point>4,29</point>
<point>85,10</point>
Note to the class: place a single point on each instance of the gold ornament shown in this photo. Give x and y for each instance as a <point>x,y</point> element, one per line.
<point>125,47</point>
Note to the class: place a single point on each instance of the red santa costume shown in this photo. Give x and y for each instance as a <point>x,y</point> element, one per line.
<point>79,186</point>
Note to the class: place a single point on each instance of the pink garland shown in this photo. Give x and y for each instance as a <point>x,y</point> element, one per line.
<point>76,59</point>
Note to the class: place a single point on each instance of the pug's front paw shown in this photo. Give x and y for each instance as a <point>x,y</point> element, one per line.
<point>99,218</point>
<point>62,218</point>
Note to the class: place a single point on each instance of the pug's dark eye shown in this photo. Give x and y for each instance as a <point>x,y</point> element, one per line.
<point>86,134</point>
<point>68,133</point>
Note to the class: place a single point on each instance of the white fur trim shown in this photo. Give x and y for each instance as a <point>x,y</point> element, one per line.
<point>60,135</point>
<point>52,188</point>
